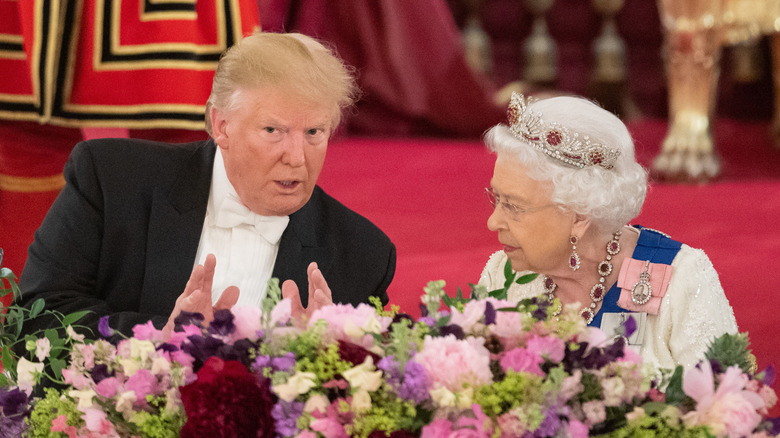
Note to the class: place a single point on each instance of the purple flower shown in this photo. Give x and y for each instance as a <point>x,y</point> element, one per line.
<point>392,370</point>
<point>285,415</point>
<point>100,372</point>
<point>427,320</point>
<point>452,329</point>
<point>222,324</point>
<point>769,375</point>
<point>281,363</point>
<point>550,424</point>
<point>14,408</point>
<point>490,313</point>
<point>416,383</point>
<point>284,363</point>
<point>187,318</point>
<point>629,326</point>
<point>105,330</point>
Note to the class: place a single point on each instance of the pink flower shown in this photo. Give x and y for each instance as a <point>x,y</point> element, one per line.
<point>87,352</point>
<point>75,378</point>
<point>595,337</point>
<point>247,323</point>
<point>96,421</point>
<point>510,425</point>
<point>474,311</point>
<point>479,426</point>
<point>438,428</point>
<point>147,332</point>
<point>522,360</point>
<point>630,355</point>
<point>729,410</point>
<point>768,395</point>
<point>329,427</point>
<point>351,323</point>
<point>453,363</point>
<point>143,383</point>
<point>595,411</point>
<point>108,387</point>
<point>571,385</point>
<point>551,347</point>
<point>577,429</point>
<point>60,424</point>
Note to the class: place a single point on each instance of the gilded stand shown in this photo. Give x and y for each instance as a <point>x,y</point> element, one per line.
<point>696,31</point>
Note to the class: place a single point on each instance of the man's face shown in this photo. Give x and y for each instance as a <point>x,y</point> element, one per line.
<point>274,147</point>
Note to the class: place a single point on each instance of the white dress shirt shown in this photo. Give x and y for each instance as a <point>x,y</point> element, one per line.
<point>244,243</point>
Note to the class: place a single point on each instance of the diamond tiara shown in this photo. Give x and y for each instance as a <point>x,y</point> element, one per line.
<point>554,139</point>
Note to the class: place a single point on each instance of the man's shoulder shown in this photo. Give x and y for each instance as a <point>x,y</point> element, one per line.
<point>124,148</point>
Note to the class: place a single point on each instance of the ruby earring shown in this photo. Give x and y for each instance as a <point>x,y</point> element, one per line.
<point>574,258</point>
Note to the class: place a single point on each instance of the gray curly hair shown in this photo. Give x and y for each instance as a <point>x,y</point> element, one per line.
<point>611,198</point>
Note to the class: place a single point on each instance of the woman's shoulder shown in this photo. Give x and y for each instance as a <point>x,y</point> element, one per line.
<point>493,272</point>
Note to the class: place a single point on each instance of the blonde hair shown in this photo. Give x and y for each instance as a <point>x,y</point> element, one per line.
<point>609,197</point>
<point>292,62</point>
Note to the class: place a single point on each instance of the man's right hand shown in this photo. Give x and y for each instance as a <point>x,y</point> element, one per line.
<point>196,297</point>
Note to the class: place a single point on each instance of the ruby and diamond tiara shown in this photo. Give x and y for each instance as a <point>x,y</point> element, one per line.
<point>554,139</point>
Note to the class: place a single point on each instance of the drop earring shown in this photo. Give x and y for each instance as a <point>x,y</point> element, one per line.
<point>574,258</point>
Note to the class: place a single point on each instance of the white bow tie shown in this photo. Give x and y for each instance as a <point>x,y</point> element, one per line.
<point>233,213</point>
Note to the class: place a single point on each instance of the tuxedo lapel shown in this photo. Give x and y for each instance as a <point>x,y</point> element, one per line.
<point>301,244</point>
<point>175,225</point>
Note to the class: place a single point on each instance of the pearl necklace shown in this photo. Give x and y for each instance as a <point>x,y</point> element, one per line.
<point>598,290</point>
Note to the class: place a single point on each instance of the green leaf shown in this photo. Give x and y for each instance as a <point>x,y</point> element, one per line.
<point>9,363</point>
<point>71,318</point>
<point>674,391</point>
<point>499,294</point>
<point>56,366</point>
<point>527,278</point>
<point>509,275</point>
<point>19,323</point>
<point>37,307</point>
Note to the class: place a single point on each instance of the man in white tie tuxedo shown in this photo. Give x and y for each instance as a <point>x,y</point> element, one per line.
<point>144,230</point>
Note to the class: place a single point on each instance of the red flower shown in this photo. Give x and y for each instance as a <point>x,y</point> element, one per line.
<point>227,401</point>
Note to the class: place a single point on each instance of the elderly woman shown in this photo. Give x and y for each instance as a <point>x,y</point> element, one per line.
<point>564,187</point>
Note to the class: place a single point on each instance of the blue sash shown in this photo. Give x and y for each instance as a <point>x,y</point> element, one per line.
<point>652,245</point>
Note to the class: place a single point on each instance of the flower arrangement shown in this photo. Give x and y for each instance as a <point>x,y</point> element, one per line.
<point>484,367</point>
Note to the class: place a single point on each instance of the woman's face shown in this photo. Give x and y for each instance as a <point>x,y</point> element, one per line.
<point>536,235</point>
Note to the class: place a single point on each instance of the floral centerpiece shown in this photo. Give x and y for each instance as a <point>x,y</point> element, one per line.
<point>483,367</point>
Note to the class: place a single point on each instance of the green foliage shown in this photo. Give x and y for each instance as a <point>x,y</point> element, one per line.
<point>380,309</point>
<point>674,391</point>
<point>516,390</point>
<point>657,421</point>
<point>12,325</point>
<point>325,364</point>
<point>162,425</point>
<point>478,291</point>
<point>49,408</point>
<point>730,350</point>
<point>388,413</point>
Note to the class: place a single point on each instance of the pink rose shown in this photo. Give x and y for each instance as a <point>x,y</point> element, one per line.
<point>729,410</point>
<point>551,347</point>
<point>329,427</point>
<point>522,360</point>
